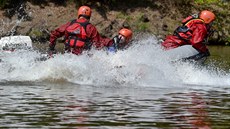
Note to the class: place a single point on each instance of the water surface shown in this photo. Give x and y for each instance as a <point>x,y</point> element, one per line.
<point>138,88</point>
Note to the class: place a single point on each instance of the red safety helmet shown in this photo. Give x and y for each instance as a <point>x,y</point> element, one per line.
<point>207,16</point>
<point>84,11</point>
<point>127,33</point>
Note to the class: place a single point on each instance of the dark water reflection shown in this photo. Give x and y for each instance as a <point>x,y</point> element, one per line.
<point>220,56</point>
<point>73,106</point>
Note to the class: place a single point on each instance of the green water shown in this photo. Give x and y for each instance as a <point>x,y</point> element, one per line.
<point>220,56</point>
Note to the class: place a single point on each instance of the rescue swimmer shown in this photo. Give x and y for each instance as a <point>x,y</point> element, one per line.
<point>195,30</point>
<point>121,41</point>
<point>80,35</point>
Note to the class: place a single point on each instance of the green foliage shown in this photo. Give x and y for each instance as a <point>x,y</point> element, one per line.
<point>35,33</point>
<point>121,15</point>
<point>141,26</point>
<point>3,3</point>
<point>206,1</point>
<point>228,41</point>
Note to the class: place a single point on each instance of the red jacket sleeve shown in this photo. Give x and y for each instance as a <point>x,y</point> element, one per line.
<point>199,34</point>
<point>57,33</point>
<point>95,37</point>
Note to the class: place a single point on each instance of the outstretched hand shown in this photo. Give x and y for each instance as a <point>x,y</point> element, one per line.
<point>115,41</point>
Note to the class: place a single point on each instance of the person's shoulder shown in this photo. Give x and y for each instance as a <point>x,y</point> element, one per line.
<point>72,20</point>
<point>195,21</point>
<point>89,25</point>
<point>198,23</point>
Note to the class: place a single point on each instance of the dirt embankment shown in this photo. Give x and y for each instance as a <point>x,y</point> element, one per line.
<point>159,17</point>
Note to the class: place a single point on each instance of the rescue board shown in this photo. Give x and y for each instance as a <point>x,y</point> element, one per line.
<point>181,52</point>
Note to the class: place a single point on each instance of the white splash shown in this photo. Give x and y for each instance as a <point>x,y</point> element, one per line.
<point>143,64</point>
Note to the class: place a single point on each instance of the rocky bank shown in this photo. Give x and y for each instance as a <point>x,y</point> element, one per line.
<point>158,17</point>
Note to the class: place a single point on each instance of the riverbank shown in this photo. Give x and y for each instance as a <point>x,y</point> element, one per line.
<point>156,17</point>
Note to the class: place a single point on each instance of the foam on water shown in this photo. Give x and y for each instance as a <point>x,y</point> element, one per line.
<point>143,64</point>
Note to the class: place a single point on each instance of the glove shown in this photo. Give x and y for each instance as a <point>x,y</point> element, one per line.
<point>113,45</point>
<point>111,49</point>
<point>115,41</point>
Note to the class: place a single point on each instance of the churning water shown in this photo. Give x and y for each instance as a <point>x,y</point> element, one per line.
<point>136,88</point>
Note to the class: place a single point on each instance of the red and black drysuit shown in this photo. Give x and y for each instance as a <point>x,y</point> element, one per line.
<point>193,32</point>
<point>80,35</point>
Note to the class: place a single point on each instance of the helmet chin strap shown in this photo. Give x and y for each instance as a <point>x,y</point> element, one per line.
<point>118,40</point>
<point>86,17</point>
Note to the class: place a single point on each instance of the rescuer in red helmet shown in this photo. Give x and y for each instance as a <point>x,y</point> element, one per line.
<point>80,35</point>
<point>194,31</point>
<point>121,41</point>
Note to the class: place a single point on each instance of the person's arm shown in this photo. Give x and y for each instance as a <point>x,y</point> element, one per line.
<point>96,39</point>
<point>199,34</point>
<point>57,33</point>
